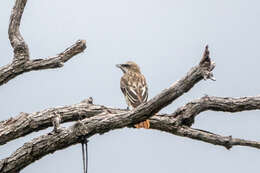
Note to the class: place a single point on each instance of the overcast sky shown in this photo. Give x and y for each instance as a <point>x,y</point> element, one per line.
<point>166,38</point>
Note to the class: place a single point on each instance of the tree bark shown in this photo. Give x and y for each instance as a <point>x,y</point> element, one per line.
<point>21,61</point>
<point>23,122</point>
<point>100,124</point>
<point>186,114</point>
<point>97,119</point>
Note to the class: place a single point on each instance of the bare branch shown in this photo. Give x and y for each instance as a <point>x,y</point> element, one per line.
<point>168,124</point>
<point>28,123</point>
<point>14,69</point>
<point>100,124</point>
<point>143,112</point>
<point>58,60</point>
<point>99,119</point>
<point>178,88</point>
<point>187,113</point>
<point>21,62</point>
<point>52,142</point>
<point>21,51</point>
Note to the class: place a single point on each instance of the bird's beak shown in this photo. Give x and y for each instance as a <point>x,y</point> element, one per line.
<point>119,65</point>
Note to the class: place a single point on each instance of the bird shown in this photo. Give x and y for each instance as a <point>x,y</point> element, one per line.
<point>133,86</point>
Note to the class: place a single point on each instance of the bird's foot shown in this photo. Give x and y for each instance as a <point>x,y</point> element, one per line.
<point>145,124</point>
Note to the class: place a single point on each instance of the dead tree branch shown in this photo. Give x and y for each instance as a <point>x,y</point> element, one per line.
<point>103,123</point>
<point>28,123</point>
<point>186,114</point>
<point>21,50</point>
<point>99,119</point>
<point>96,119</point>
<point>169,124</point>
<point>25,123</point>
<point>144,111</point>
<point>21,62</point>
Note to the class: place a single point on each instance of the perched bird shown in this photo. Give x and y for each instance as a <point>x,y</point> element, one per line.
<point>134,87</point>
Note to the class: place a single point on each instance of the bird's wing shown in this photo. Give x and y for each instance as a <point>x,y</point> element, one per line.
<point>135,89</point>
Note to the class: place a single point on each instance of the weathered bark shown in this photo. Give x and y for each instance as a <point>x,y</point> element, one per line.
<point>96,119</point>
<point>21,50</point>
<point>49,143</point>
<point>169,124</point>
<point>21,62</point>
<point>186,114</point>
<point>27,123</point>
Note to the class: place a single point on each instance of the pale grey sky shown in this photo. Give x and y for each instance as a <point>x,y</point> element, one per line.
<point>166,38</point>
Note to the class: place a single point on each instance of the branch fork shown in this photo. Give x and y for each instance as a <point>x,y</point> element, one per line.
<point>21,61</point>
<point>94,119</point>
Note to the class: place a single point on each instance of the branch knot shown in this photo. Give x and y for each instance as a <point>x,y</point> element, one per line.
<point>228,142</point>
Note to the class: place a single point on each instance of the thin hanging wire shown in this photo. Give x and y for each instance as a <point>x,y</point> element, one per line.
<point>83,157</point>
<point>84,145</point>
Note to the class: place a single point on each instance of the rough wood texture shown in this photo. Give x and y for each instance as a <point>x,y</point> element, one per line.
<point>49,143</point>
<point>99,119</point>
<point>169,124</point>
<point>21,50</point>
<point>95,119</point>
<point>21,62</point>
<point>25,123</point>
<point>22,123</point>
<point>28,123</point>
<point>186,114</point>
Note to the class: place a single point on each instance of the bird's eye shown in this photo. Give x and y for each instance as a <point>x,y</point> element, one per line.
<point>125,65</point>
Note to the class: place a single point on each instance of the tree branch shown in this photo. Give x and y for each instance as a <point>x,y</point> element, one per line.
<point>21,62</point>
<point>169,124</point>
<point>186,114</point>
<point>12,70</point>
<point>58,60</point>
<point>25,123</point>
<point>21,51</point>
<point>49,143</point>
<point>144,111</point>
<point>99,119</point>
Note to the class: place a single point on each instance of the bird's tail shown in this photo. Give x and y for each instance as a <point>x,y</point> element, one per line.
<point>145,124</point>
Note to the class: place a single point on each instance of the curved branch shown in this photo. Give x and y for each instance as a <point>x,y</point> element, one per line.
<point>21,51</point>
<point>58,60</point>
<point>24,123</point>
<point>144,111</point>
<point>99,119</point>
<point>100,124</point>
<point>14,69</point>
<point>186,114</point>
<point>169,124</point>
<point>27,123</point>
<point>21,62</point>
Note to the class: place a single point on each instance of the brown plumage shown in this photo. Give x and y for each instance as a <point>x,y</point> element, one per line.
<point>134,87</point>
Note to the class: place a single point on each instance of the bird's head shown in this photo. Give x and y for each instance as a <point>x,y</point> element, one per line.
<point>129,66</point>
